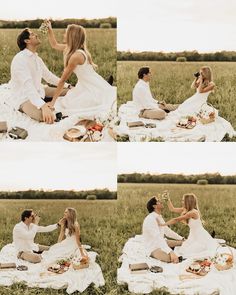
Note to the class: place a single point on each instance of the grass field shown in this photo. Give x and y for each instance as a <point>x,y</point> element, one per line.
<point>107,225</point>
<point>217,204</point>
<point>101,44</point>
<point>171,82</point>
<point>98,228</point>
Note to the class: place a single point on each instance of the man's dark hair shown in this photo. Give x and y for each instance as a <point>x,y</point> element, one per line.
<point>143,71</point>
<point>26,214</point>
<point>150,204</point>
<point>24,35</point>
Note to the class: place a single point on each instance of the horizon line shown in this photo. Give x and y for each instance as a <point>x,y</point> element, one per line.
<point>61,190</point>
<point>185,50</point>
<point>59,19</point>
<point>182,173</point>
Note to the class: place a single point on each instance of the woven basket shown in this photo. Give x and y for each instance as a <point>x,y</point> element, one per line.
<point>211,118</point>
<point>81,266</point>
<point>229,263</point>
<point>84,264</point>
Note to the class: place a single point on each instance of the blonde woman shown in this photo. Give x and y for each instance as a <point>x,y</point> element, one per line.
<point>68,240</point>
<point>92,93</point>
<point>199,241</point>
<point>204,85</point>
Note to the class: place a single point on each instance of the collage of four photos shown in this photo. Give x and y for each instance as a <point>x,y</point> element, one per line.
<point>117,147</point>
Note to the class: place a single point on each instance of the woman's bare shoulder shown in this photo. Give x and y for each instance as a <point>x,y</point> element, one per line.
<point>194,213</point>
<point>79,57</point>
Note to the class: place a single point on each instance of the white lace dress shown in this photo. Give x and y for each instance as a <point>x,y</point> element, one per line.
<point>199,242</point>
<point>191,106</point>
<point>92,94</point>
<point>63,249</point>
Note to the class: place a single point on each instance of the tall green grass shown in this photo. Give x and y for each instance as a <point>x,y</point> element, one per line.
<point>217,204</point>
<point>97,220</point>
<point>171,82</point>
<point>101,44</point>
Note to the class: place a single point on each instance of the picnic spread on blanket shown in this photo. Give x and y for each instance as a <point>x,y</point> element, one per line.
<point>206,125</point>
<point>194,275</point>
<point>91,124</point>
<point>64,273</point>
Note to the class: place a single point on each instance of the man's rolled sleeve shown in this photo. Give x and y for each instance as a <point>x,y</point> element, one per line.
<point>171,234</point>
<point>45,229</point>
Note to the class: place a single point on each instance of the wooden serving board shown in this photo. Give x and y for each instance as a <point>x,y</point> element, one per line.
<point>188,126</point>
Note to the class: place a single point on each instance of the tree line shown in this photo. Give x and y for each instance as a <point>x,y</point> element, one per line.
<point>101,194</point>
<point>214,178</point>
<point>176,56</point>
<point>35,23</point>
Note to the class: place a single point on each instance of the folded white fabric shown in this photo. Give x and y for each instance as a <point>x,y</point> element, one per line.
<point>167,129</point>
<point>37,275</point>
<point>42,131</point>
<point>133,252</point>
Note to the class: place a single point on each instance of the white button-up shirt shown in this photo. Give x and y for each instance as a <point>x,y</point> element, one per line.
<point>153,234</point>
<point>142,96</point>
<point>27,71</point>
<point>23,235</point>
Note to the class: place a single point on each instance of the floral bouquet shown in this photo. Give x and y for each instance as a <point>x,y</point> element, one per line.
<point>187,122</point>
<point>165,196</point>
<point>79,262</point>
<point>223,261</point>
<point>207,114</point>
<point>109,122</point>
<point>43,28</point>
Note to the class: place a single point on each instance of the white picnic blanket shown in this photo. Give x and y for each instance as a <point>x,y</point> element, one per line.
<point>42,131</point>
<point>133,252</point>
<point>167,129</point>
<point>38,276</point>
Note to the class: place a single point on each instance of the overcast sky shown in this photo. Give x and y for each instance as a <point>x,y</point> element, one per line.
<point>186,158</point>
<point>57,9</point>
<point>57,166</point>
<point>168,25</point>
<point>153,25</point>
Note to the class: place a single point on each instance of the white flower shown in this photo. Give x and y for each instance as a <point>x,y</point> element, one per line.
<point>76,260</point>
<point>221,259</point>
<point>43,28</point>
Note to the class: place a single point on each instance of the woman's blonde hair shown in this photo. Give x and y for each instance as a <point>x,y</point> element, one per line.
<point>71,221</point>
<point>190,203</point>
<point>76,39</point>
<point>208,77</point>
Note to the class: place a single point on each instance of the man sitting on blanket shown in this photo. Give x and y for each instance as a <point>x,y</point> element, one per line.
<point>148,107</point>
<point>24,233</point>
<point>154,242</point>
<point>27,72</point>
